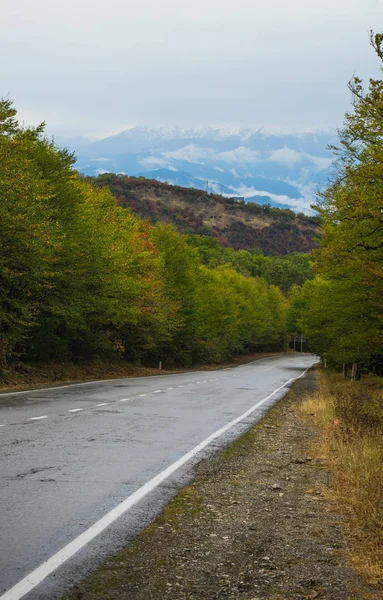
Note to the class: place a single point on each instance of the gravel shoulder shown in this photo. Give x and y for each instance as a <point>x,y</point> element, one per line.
<point>253,525</point>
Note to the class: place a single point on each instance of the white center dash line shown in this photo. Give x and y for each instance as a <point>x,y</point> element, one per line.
<point>157,391</point>
<point>170,388</point>
<point>124,399</point>
<point>38,418</point>
<point>73,410</point>
<point>102,404</point>
<point>142,395</point>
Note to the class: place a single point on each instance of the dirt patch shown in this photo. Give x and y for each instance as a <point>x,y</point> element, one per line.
<point>254,525</point>
<point>20,376</point>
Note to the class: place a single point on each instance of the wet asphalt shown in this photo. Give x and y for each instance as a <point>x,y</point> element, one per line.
<point>69,455</point>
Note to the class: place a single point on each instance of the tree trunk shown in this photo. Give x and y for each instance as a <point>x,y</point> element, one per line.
<point>3,352</point>
<point>356,371</point>
<point>345,370</point>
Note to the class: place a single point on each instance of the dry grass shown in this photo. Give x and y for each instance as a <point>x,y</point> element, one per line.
<point>350,419</point>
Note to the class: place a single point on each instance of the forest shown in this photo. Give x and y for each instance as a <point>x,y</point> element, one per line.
<point>83,278</point>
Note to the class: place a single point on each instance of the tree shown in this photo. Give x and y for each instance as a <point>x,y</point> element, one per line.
<point>349,293</point>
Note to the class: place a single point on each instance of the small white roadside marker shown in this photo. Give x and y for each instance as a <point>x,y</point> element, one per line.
<point>73,410</point>
<point>38,418</point>
<point>102,404</point>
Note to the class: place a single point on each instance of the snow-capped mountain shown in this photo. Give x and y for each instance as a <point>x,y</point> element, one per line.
<point>286,168</point>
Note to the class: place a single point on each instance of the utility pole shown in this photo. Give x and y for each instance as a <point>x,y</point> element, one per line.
<point>207,187</point>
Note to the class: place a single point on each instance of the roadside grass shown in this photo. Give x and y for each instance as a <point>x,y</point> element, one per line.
<point>350,419</point>
<point>187,500</point>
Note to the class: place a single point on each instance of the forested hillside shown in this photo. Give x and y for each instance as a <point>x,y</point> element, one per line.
<point>234,223</point>
<point>82,277</point>
<point>341,310</point>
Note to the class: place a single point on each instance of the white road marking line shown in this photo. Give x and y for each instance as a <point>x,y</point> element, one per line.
<point>38,418</point>
<point>156,391</point>
<point>2,425</point>
<point>73,410</point>
<point>142,395</point>
<point>181,386</point>
<point>124,399</point>
<point>170,388</point>
<point>34,578</point>
<point>102,404</point>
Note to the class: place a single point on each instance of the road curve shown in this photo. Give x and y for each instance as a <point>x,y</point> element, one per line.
<point>84,467</point>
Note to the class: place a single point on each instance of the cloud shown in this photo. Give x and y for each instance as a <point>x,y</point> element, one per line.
<point>154,162</point>
<point>288,157</point>
<point>300,204</point>
<point>241,155</point>
<point>193,154</point>
<point>307,189</point>
<point>173,62</point>
<point>285,156</point>
<point>321,163</point>
<point>199,155</point>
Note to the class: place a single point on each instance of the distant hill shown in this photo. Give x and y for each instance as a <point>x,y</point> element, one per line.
<point>233,222</point>
<point>286,168</point>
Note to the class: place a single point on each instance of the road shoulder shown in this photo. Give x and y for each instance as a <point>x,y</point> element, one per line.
<point>21,377</point>
<point>253,525</point>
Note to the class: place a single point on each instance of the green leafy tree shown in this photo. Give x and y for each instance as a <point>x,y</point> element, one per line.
<point>345,305</point>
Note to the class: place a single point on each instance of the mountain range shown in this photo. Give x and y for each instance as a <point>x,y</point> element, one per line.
<point>280,169</point>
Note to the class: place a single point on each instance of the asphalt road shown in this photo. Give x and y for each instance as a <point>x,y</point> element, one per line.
<point>71,455</point>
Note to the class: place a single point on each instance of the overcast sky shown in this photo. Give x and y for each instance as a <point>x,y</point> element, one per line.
<point>97,67</point>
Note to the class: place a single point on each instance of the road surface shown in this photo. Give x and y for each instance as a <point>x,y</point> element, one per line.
<point>85,467</point>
